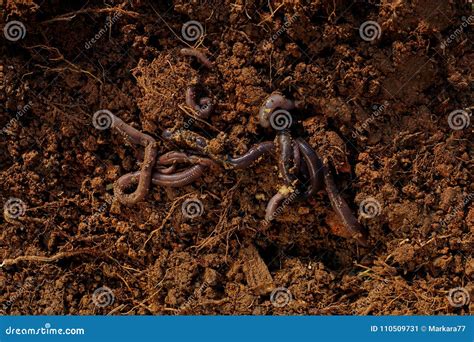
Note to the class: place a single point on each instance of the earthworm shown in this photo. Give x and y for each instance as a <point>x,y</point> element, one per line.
<point>274,101</point>
<point>151,151</point>
<point>273,205</point>
<point>313,164</point>
<point>134,135</point>
<point>352,226</point>
<point>286,157</point>
<point>145,179</point>
<point>175,180</point>
<point>205,106</point>
<point>167,170</point>
<point>251,155</point>
<point>296,156</point>
<point>186,139</point>
<point>173,157</point>
<point>200,56</point>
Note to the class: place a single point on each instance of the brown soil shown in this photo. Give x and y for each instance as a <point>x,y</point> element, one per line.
<point>74,238</point>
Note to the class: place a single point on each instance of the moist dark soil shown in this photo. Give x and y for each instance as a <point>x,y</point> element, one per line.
<point>376,108</point>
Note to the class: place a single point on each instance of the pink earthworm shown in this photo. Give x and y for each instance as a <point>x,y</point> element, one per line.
<point>353,228</point>
<point>186,139</point>
<point>205,106</point>
<point>200,56</point>
<point>174,180</point>
<point>174,157</point>
<point>166,170</point>
<point>274,101</point>
<point>151,151</point>
<point>255,152</point>
<point>272,206</point>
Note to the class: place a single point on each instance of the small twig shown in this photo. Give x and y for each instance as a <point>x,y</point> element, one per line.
<point>56,257</point>
<point>168,215</point>
<point>71,15</point>
<point>188,112</point>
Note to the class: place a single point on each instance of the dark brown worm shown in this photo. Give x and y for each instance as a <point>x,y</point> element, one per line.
<point>252,155</point>
<point>313,165</point>
<point>151,151</point>
<point>200,56</point>
<point>205,106</point>
<point>175,180</point>
<point>274,101</point>
<point>286,165</point>
<point>296,156</point>
<point>352,226</point>
<point>273,205</point>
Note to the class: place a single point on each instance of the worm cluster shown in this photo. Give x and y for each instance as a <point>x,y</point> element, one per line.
<point>301,169</point>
